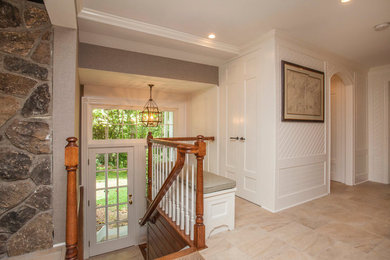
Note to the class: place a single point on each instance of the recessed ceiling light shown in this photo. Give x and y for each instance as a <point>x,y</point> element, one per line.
<point>345,1</point>
<point>211,36</point>
<point>381,26</point>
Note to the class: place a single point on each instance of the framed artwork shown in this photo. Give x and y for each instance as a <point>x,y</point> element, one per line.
<point>302,93</point>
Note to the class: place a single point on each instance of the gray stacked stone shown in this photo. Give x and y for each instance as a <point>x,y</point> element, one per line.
<point>26,43</point>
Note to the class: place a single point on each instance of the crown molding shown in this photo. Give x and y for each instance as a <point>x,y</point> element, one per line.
<point>130,24</point>
<point>128,45</point>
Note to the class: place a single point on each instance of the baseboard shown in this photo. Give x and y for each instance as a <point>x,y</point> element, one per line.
<point>302,202</point>
<point>59,244</point>
<point>357,183</point>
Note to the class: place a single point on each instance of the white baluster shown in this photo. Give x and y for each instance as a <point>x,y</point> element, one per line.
<point>165,177</point>
<point>192,201</point>
<point>187,224</point>
<point>182,200</point>
<point>178,200</point>
<point>173,188</point>
<point>170,189</point>
<point>153,171</point>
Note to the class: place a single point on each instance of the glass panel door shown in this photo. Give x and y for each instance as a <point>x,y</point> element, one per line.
<point>110,199</point>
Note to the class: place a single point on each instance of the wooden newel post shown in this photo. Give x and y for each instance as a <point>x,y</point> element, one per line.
<point>199,229</point>
<point>150,154</point>
<point>71,163</point>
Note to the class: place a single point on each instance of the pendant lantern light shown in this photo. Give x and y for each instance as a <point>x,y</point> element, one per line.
<point>150,115</point>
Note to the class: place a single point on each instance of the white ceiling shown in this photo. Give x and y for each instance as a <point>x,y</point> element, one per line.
<point>183,25</point>
<point>123,80</point>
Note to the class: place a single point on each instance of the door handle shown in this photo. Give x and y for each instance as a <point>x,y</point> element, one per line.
<point>130,199</point>
<point>234,138</point>
<point>242,139</point>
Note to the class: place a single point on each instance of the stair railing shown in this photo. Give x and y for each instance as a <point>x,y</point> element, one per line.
<point>172,179</point>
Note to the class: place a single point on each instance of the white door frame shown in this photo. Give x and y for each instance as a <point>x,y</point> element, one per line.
<point>86,142</point>
<point>118,243</point>
<point>349,128</point>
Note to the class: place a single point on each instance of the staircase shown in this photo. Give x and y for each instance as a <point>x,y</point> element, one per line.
<point>174,216</point>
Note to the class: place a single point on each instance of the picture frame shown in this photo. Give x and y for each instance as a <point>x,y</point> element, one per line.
<point>303,93</point>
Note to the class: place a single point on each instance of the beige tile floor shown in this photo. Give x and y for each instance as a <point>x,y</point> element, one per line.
<point>55,253</point>
<point>350,223</point>
<point>133,253</point>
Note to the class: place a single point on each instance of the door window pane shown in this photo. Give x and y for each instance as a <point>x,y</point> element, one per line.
<point>112,214</point>
<point>100,216</point>
<point>100,180</point>
<point>112,179</point>
<point>112,160</point>
<point>122,195</point>
<point>123,212</point>
<point>100,198</point>
<point>112,231</point>
<point>100,233</point>
<point>112,196</point>
<point>100,165</point>
<point>123,229</point>
<point>122,178</point>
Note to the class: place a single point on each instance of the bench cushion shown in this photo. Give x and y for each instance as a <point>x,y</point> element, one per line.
<point>213,182</point>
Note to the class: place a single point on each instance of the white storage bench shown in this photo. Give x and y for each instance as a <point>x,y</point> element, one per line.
<point>219,196</point>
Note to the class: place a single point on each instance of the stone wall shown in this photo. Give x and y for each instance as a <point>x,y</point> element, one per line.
<point>26,43</point>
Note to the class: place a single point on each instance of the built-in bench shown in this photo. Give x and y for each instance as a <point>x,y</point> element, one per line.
<point>219,194</point>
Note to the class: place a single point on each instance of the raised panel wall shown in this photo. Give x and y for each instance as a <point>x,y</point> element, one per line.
<point>302,160</point>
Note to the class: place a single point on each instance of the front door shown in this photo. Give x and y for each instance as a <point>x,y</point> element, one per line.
<point>110,214</point>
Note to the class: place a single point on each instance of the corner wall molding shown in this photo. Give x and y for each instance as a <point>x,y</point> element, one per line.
<point>130,24</point>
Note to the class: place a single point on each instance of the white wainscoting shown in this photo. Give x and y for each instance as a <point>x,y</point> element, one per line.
<point>300,180</point>
<point>361,166</point>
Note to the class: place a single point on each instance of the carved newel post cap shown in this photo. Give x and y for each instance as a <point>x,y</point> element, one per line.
<point>71,153</point>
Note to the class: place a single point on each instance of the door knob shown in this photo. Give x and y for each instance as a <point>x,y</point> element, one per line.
<point>242,139</point>
<point>130,199</point>
<point>234,138</point>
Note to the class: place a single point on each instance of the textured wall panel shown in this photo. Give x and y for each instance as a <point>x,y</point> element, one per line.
<point>300,178</point>
<point>361,130</point>
<point>301,139</point>
<point>298,139</point>
<point>377,127</point>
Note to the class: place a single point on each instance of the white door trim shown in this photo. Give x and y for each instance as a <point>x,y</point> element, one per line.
<point>129,240</point>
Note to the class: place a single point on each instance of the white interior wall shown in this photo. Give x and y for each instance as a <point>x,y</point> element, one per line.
<point>203,119</point>
<point>301,172</point>
<point>378,104</point>
<point>295,155</point>
<point>65,110</point>
<point>304,148</point>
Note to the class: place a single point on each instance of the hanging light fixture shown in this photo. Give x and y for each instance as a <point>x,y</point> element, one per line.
<point>151,116</point>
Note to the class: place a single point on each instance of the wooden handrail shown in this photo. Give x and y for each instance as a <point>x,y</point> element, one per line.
<point>71,163</point>
<point>189,148</point>
<point>208,138</point>
<point>165,187</point>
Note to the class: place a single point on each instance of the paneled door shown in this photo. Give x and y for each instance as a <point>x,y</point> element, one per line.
<point>110,214</point>
<point>241,125</point>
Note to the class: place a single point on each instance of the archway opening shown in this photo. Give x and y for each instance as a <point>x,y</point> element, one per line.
<point>338,129</point>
